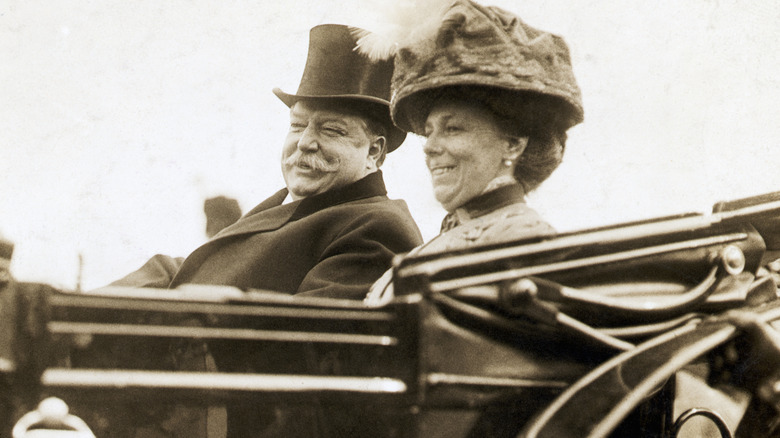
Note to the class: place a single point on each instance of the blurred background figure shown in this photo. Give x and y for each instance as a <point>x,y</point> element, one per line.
<point>220,212</point>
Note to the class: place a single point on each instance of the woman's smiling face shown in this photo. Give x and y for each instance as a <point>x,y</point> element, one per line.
<point>464,150</point>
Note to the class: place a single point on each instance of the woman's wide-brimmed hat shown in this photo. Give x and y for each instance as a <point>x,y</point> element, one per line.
<point>526,71</point>
<point>335,70</point>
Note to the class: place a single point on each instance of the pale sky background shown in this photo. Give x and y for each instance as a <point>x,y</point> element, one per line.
<point>118,118</point>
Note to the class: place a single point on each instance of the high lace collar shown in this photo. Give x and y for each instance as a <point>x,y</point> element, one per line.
<point>485,203</point>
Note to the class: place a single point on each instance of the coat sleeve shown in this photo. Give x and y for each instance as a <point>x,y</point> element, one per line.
<point>360,254</point>
<point>157,272</point>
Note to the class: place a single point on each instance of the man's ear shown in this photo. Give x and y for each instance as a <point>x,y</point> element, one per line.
<point>515,147</point>
<point>377,150</point>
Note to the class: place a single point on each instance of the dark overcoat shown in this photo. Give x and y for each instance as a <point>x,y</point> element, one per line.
<point>335,244</point>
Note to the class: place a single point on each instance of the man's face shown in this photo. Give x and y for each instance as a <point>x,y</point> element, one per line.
<point>326,149</point>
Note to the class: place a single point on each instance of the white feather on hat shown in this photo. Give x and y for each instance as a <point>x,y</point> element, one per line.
<point>403,23</point>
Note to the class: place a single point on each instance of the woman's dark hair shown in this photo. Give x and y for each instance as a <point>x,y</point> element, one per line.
<point>541,157</point>
<point>539,117</point>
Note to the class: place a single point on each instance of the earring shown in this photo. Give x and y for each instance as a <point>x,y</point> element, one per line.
<point>507,162</point>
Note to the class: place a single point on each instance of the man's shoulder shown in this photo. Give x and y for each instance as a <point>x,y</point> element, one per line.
<point>376,218</point>
<point>389,214</point>
<point>378,205</point>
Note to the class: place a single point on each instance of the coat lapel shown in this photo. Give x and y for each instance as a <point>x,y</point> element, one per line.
<point>271,215</point>
<point>267,216</point>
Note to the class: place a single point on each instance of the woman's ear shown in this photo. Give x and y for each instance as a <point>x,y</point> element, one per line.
<point>515,147</point>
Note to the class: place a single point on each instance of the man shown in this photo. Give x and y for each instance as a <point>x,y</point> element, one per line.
<point>331,232</point>
<point>339,232</point>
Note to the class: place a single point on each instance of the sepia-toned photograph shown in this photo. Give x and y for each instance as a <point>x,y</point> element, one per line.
<point>389,218</point>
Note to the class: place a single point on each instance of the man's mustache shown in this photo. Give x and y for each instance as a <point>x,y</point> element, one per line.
<point>313,161</point>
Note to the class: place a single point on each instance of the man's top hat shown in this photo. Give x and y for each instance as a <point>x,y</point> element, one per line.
<point>335,70</point>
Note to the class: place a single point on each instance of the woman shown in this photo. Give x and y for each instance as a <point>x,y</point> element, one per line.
<point>494,98</point>
<point>482,165</point>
